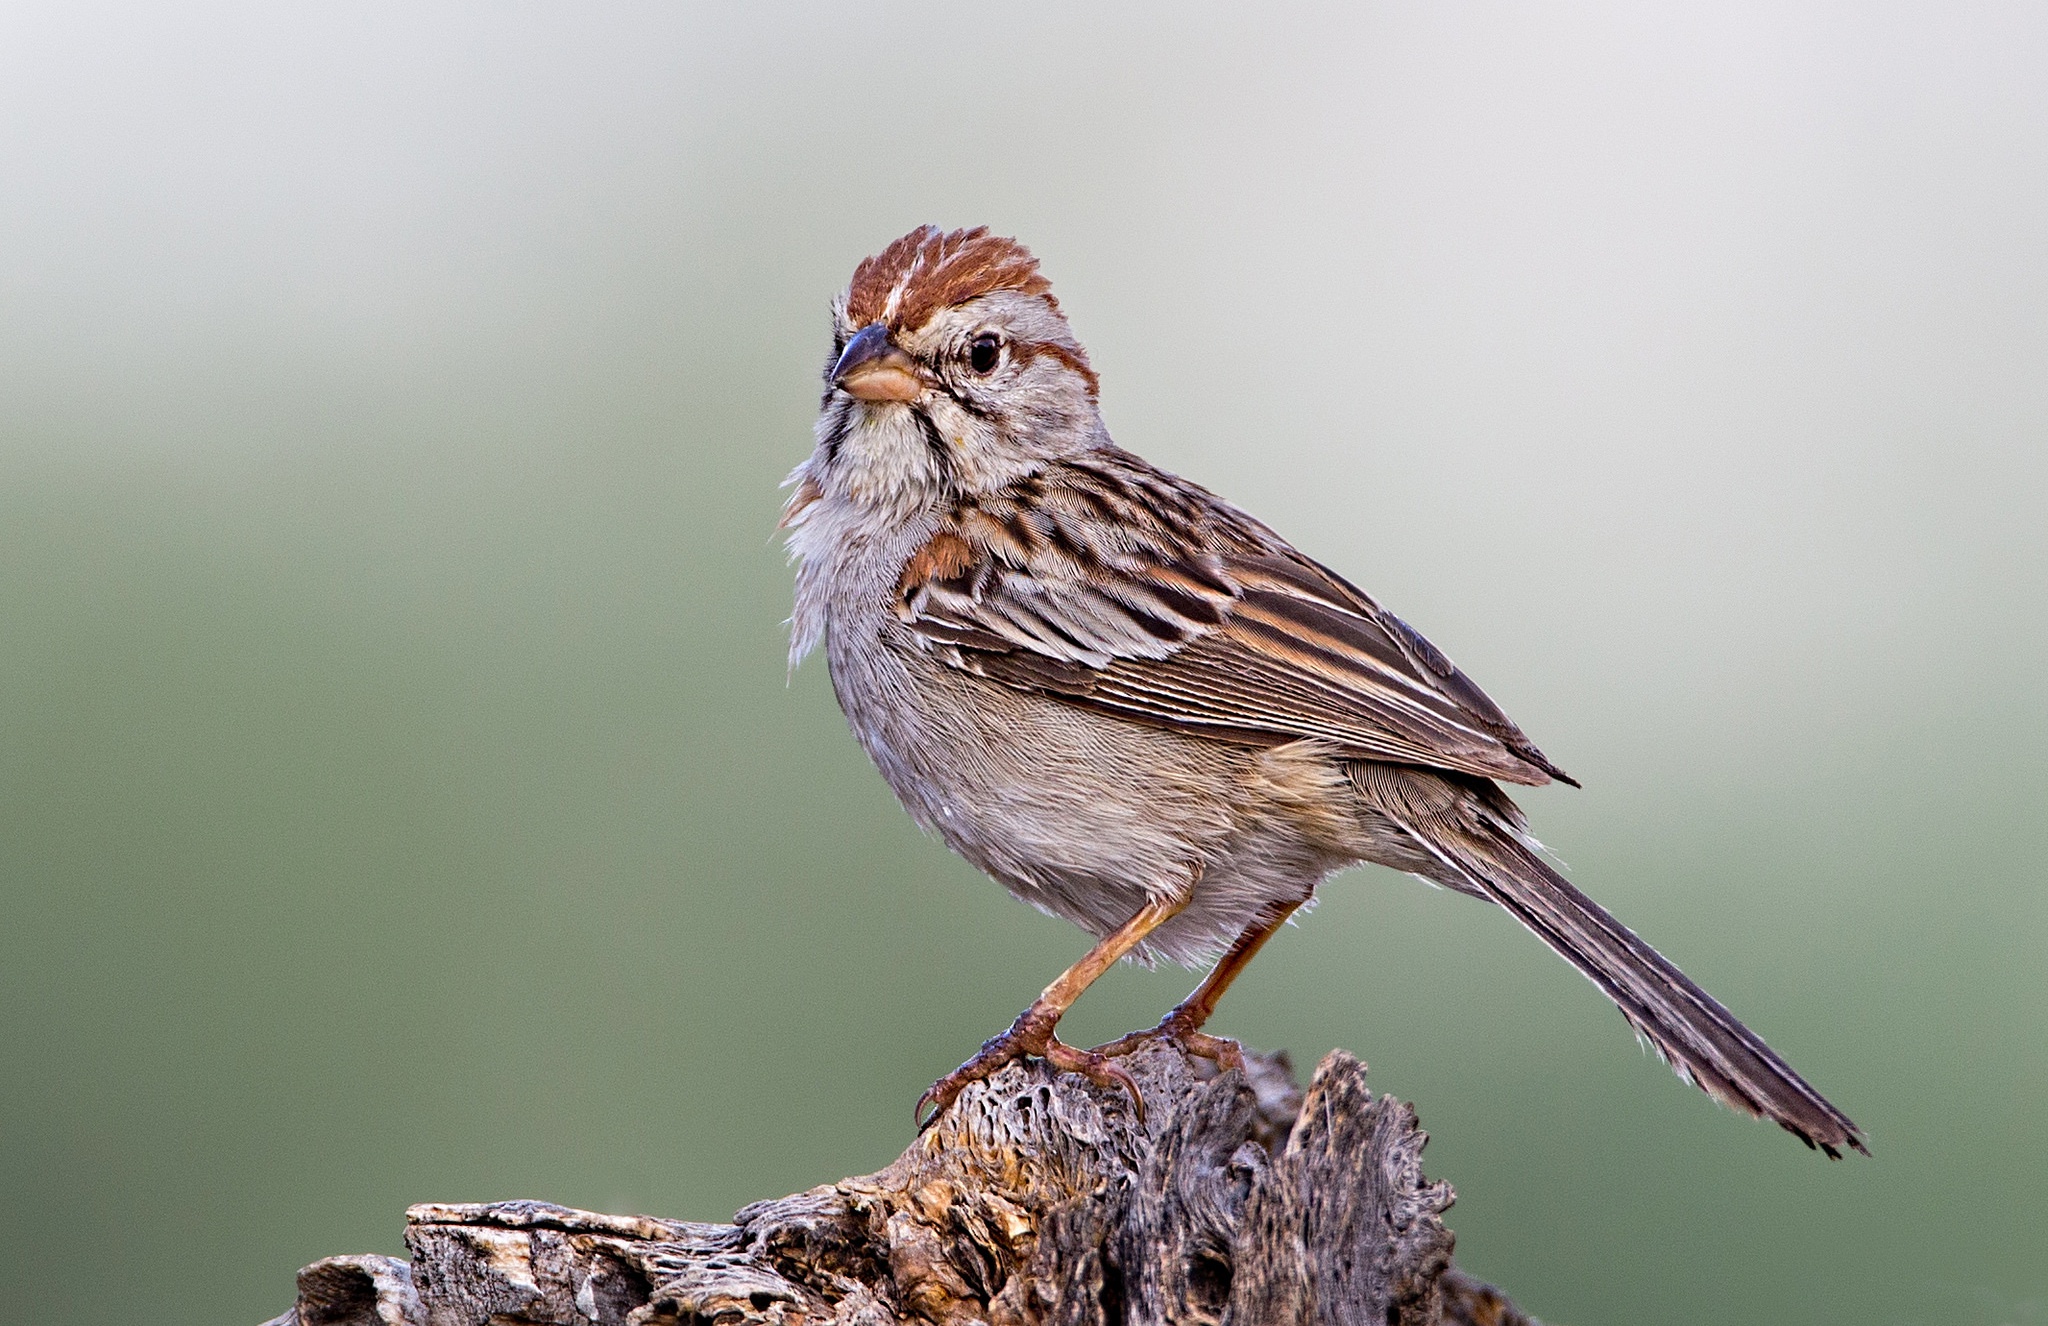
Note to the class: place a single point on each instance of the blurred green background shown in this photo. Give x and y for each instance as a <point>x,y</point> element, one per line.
<point>403,798</point>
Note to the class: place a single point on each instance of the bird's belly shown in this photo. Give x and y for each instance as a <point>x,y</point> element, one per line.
<point>1084,816</point>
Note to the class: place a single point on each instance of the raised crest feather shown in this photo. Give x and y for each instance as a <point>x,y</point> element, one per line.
<point>929,269</point>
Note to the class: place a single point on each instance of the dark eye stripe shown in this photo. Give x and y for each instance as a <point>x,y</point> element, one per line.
<point>974,408</point>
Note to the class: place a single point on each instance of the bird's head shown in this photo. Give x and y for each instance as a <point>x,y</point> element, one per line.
<point>952,371</point>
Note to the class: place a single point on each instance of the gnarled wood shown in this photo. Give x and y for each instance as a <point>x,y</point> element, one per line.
<point>1037,1199</point>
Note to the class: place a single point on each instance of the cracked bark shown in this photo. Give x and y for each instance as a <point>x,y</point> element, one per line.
<point>1037,1200</point>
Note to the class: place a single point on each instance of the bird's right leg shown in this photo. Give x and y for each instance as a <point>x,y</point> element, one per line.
<point>1183,1026</point>
<point>1032,1032</point>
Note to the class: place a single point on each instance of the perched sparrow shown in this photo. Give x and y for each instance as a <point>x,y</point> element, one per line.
<point>1136,706</point>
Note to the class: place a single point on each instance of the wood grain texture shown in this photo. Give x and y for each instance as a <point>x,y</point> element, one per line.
<point>1037,1199</point>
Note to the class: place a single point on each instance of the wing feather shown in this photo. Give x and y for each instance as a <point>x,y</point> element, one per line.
<point>1123,589</point>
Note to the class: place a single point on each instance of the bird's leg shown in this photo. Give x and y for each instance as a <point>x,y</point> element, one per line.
<point>1032,1032</point>
<point>1183,1026</point>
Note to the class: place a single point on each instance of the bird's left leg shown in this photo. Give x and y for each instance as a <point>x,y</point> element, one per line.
<point>1183,1026</point>
<point>1032,1032</point>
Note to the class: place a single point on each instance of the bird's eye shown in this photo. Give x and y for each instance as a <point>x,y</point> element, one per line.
<point>983,354</point>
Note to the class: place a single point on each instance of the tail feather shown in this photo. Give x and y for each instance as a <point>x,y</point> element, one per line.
<point>1702,1041</point>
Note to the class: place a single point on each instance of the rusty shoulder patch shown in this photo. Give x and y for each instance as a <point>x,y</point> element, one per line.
<point>943,557</point>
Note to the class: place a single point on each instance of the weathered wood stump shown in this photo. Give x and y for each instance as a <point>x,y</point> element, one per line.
<point>1036,1199</point>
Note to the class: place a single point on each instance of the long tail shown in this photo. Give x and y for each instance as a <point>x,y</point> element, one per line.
<point>1701,1040</point>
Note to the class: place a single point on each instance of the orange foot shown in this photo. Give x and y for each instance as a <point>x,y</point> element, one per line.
<point>1031,1034</point>
<point>1179,1028</point>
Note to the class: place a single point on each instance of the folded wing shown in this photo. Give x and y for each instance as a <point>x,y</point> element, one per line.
<point>1085,582</point>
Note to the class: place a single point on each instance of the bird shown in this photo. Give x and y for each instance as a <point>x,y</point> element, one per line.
<point>1139,708</point>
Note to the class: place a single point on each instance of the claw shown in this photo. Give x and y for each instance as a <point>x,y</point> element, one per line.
<point>1030,1035</point>
<point>1098,1068</point>
<point>932,1097</point>
<point>1173,1030</point>
<point>997,1052</point>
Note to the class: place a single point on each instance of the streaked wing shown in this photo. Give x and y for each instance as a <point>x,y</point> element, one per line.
<point>1122,588</point>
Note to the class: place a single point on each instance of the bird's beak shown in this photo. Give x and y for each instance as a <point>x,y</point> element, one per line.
<point>873,369</point>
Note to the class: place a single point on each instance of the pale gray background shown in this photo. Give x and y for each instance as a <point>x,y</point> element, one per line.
<point>402,798</point>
